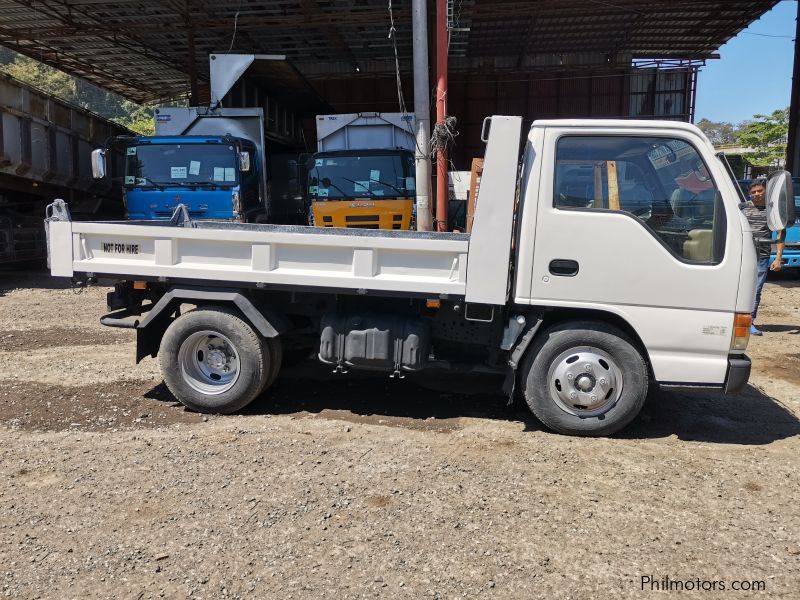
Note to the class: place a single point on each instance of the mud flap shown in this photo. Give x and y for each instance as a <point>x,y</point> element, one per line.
<point>510,382</point>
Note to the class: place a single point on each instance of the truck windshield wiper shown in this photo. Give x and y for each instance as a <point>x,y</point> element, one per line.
<point>214,183</point>
<point>358,183</point>
<point>398,190</point>
<point>333,185</point>
<point>157,184</point>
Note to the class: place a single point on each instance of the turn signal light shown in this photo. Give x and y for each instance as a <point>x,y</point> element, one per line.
<point>741,331</point>
<point>140,285</point>
<point>433,303</point>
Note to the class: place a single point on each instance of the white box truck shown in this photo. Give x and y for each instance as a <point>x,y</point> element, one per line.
<point>580,281</point>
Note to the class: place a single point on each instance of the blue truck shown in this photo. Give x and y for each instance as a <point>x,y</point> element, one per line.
<point>215,177</point>
<point>791,252</point>
<point>235,159</point>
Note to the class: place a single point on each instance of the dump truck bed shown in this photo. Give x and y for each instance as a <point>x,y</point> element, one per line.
<point>275,255</point>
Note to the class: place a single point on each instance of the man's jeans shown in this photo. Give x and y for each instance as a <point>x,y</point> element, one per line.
<point>763,270</point>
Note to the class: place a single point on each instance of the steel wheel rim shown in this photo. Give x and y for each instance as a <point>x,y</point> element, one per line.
<point>209,362</point>
<point>584,381</point>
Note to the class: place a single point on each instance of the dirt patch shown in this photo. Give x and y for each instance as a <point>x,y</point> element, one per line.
<point>35,339</point>
<point>789,373</point>
<point>378,501</point>
<point>112,407</point>
<point>429,424</point>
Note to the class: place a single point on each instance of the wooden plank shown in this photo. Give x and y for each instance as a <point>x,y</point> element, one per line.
<point>474,186</point>
<point>613,186</point>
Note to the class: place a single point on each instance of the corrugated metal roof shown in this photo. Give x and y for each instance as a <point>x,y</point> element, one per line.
<point>147,50</point>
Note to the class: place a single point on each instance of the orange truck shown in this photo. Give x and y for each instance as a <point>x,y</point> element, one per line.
<point>362,175</point>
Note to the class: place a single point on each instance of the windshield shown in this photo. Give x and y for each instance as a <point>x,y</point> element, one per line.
<point>180,164</point>
<point>371,176</point>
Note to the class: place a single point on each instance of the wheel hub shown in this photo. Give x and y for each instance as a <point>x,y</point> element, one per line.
<point>217,359</point>
<point>585,381</point>
<point>209,362</point>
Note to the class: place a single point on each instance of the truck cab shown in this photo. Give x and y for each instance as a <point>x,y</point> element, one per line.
<point>215,177</point>
<point>366,189</point>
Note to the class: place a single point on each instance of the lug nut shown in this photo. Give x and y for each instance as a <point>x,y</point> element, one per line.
<point>594,398</point>
<point>573,395</point>
<point>602,382</point>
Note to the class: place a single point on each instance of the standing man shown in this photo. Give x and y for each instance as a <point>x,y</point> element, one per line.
<point>756,213</point>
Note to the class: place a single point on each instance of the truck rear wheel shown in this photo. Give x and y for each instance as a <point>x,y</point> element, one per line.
<point>584,378</point>
<point>215,362</point>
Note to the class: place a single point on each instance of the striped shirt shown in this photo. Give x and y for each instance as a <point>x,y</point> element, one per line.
<point>762,236</point>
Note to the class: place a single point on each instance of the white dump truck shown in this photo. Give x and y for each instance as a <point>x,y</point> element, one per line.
<point>611,255</point>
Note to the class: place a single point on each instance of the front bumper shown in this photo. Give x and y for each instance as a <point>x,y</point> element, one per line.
<point>738,373</point>
<point>790,260</point>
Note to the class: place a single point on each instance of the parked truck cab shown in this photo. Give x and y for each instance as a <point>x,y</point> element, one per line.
<point>215,177</point>
<point>365,189</point>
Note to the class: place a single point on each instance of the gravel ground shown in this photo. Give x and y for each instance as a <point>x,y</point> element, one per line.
<point>360,486</point>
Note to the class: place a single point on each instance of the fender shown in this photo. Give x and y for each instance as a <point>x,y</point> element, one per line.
<point>149,331</point>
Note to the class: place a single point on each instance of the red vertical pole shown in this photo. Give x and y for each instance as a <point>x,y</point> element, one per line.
<point>441,113</point>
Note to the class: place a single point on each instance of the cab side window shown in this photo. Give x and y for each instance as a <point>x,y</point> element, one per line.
<point>661,182</point>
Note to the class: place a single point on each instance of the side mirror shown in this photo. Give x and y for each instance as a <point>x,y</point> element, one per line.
<point>98,163</point>
<point>244,162</point>
<point>780,201</point>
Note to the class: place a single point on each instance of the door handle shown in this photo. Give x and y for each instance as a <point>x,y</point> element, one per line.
<point>562,267</point>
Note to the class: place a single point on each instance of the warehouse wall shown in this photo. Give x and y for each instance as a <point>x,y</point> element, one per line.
<point>632,93</point>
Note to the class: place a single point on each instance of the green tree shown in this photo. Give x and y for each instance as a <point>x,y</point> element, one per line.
<point>45,78</point>
<point>719,133</point>
<point>766,136</point>
<point>81,93</point>
<point>137,118</point>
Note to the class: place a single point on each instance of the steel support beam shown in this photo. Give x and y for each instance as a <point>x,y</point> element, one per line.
<point>422,110</point>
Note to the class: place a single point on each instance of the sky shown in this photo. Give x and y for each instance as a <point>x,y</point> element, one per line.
<point>754,73</point>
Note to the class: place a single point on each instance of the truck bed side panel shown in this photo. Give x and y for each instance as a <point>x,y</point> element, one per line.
<point>280,255</point>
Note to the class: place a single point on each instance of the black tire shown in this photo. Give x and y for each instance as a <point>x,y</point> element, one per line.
<point>583,354</point>
<point>274,350</point>
<point>214,339</point>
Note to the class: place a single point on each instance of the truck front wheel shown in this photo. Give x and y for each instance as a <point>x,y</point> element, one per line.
<point>584,378</point>
<point>215,362</point>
